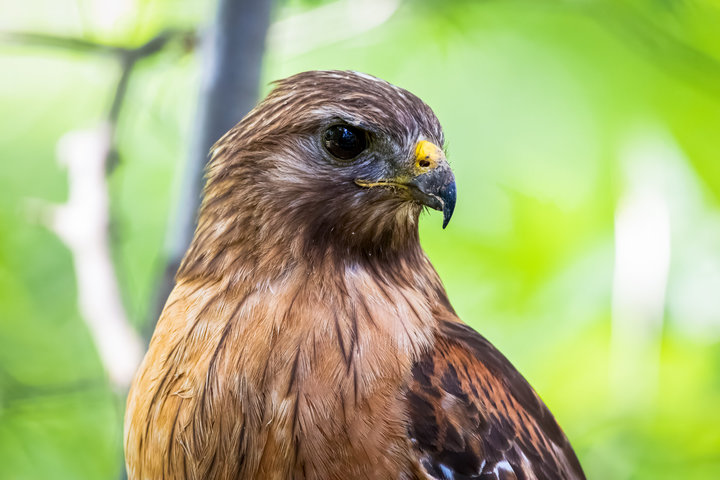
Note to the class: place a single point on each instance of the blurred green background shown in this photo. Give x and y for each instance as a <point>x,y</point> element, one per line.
<point>585,137</point>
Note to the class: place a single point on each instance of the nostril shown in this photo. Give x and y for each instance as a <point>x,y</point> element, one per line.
<point>424,163</point>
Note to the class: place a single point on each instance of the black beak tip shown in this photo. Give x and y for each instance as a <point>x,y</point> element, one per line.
<point>448,194</point>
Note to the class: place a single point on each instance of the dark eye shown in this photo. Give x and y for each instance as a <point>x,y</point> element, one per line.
<point>344,142</point>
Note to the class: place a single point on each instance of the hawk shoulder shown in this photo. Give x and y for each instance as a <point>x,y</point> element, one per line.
<point>473,416</point>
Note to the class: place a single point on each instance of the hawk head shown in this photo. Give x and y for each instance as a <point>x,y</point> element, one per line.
<point>330,162</point>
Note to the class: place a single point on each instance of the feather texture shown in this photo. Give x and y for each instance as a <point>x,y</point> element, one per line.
<point>308,335</point>
<point>472,415</point>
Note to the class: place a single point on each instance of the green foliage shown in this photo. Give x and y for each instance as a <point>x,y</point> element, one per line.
<point>541,103</point>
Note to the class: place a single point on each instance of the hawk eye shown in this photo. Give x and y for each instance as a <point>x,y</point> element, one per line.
<point>344,142</point>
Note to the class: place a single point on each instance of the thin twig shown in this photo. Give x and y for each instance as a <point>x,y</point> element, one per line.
<point>56,41</point>
<point>77,44</point>
<point>126,56</point>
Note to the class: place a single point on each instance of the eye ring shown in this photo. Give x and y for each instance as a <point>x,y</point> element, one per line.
<point>344,142</point>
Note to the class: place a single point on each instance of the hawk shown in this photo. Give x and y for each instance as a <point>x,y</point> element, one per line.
<point>308,336</point>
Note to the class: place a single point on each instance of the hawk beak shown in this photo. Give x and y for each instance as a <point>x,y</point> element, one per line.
<point>430,183</point>
<point>434,183</point>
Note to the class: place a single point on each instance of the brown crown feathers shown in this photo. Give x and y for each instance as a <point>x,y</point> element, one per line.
<point>308,336</point>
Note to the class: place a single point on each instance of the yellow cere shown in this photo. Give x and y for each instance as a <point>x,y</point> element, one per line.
<point>427,156</point>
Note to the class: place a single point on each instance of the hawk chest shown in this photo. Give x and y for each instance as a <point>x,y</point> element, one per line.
<point>274,396</point>
<point>335,421</point>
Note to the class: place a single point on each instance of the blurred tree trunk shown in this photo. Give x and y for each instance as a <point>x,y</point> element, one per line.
<point>232,59</point>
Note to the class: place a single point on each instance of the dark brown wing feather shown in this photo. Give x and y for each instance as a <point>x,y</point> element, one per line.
<point>473,416</point>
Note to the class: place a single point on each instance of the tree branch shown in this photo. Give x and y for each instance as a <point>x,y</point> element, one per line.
<point>126,56</point>
<point>152,46</point>
<point>82,223</point>
<point>231,76</point>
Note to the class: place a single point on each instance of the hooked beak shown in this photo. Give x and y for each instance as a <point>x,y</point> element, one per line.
<point>434,183</point>
<point>431,183</point>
